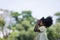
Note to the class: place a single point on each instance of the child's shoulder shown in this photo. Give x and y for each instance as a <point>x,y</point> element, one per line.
<point>43,27</point>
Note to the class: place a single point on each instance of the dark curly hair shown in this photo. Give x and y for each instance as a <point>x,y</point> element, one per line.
<point>47,21</point>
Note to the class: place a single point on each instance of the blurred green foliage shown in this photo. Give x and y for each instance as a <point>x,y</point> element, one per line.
<point>23,29</point>
<point>54,32</point>
<point>57,14</point>
<point>2,22</point>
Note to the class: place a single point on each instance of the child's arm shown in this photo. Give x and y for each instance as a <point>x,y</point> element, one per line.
<point>36,28</point>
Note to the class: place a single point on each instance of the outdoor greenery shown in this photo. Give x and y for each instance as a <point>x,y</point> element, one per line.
<point>58,15</point>
<point>23,29</point>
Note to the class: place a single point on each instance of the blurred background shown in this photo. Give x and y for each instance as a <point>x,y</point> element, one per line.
<point>18,18</point>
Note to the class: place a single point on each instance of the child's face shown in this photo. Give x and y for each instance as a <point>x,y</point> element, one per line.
<point>41,23</point>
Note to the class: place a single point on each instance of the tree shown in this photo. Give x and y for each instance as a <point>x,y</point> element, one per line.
<point>54,32</point>
<point>27,23</point>
<point>24,25</point>
<point>15,15</point>
<point>2,23</point>
<point>58,15</point>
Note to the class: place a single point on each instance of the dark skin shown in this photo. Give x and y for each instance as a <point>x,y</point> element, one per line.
<point>37,26</point>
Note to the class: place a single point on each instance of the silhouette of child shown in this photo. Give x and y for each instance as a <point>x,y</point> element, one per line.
<point>41,26</point>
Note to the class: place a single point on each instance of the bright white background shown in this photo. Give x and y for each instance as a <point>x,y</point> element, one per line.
<point>39,8</point>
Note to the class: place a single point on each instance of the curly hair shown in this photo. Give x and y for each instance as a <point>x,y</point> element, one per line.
<point>47,21</point>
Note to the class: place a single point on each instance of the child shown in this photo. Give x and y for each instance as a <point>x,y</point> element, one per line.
<point>41,26</point>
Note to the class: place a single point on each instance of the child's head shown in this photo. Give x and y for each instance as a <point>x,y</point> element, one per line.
<point>46,21</point>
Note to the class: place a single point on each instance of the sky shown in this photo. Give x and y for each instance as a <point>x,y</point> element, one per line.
<point>39,8</point>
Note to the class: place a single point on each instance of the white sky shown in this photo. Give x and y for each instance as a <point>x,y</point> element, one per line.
<point>39,8</point>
